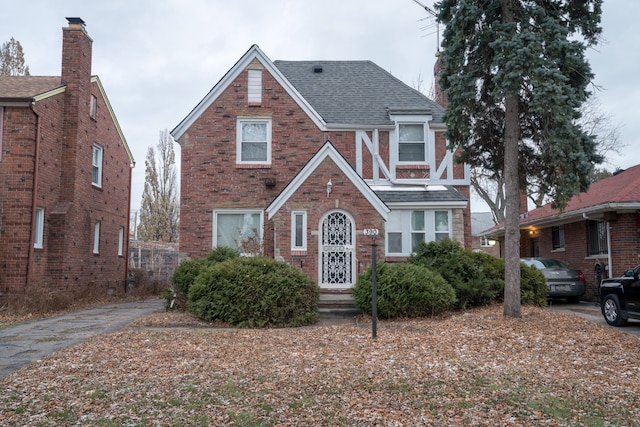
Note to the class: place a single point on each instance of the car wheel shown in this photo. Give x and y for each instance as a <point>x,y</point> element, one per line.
<point>611,311</point>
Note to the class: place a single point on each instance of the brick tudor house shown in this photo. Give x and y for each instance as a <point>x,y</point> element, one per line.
<point>65,169</point>
<point>297,158</point>
<point>598,228</point>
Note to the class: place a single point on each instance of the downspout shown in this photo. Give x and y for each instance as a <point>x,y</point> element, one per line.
<point>34,196</point>
<point>125,238</point>
<point>609,259</point>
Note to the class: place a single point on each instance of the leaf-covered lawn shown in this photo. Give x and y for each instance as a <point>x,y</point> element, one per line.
<point>475,368</point>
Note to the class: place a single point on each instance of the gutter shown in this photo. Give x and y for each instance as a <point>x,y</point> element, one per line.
<point>34,198</point>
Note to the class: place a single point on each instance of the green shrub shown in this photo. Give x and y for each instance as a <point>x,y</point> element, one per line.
<point>254,292</point>
<point>533,286</point>
<point>476,277</point>
<point>404,290</point>
<point>185,275</point>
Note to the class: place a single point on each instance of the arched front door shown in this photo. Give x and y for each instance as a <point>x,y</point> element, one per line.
<point>337,264</point>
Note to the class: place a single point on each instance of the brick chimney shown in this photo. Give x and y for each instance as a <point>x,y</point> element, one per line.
<point>76,75</point>
<point>440,96</point>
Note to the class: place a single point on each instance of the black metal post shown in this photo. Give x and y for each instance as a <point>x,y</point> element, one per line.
<point>374,291</point>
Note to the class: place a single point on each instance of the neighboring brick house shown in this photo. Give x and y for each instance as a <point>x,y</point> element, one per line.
<point>481,221</point>
<point>297,158</point>
<point>65,169</point>
<point>598,228</point>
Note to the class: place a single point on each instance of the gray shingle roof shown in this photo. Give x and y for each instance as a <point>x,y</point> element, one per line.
<point>27,86</point>
<point>449,194</point>
<point>355,92</point>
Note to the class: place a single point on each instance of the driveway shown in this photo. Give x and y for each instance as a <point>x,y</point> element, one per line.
<point>591,311</point>
<point>32,341</point>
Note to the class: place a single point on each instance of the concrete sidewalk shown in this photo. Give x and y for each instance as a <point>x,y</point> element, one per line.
<point>31,341</point>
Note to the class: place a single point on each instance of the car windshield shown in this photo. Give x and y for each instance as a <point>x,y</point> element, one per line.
<point>541,264</point>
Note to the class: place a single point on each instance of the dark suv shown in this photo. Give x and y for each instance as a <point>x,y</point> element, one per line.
<point>620,297</point>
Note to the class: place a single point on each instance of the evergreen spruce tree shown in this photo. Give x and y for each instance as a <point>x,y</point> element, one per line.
<point>515,76</point>
<point>159,212</point>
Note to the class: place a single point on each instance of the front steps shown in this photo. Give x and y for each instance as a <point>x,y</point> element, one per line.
<point>337,303</point>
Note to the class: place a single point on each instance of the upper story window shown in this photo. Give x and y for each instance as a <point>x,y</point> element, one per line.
<point>253,145</point>
<point>557,237</point>
<point>254,79</point>
<point>120,241</point>
<point>93,107</point>
<point>96,170</point>
<point>412,146</point>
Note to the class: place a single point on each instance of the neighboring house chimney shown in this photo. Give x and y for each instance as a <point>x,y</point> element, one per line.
<point>439,94</point>
<point>76,75</point>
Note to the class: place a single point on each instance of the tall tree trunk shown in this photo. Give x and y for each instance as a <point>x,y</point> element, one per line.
<point>511,306</point>
<point>512,210</point>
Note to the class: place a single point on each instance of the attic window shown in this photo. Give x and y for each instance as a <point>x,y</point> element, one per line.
<point>254,78</point>
<point>93,108</point>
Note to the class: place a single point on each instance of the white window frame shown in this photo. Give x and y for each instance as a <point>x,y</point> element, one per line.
<point>121,241</point>
<point>400,221</point>
<point>252,120</point>
<point>96,238</point>
<point>217,213</point>
<point>294,231</point>
<point>38,235</point>
<point>557,244</point>
<point>424,143</point>
<point>96,165</point>
<point>254,86</point>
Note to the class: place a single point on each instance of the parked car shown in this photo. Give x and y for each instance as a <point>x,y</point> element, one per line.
<point>562,281</point>
<point>620,297</point>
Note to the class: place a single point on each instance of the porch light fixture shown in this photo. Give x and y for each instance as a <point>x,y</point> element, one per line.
<point>329,185</point>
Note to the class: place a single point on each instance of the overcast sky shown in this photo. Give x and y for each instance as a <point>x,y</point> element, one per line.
<point>158,58</point>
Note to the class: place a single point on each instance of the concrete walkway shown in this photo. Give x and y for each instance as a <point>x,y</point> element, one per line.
<point>31,341</point>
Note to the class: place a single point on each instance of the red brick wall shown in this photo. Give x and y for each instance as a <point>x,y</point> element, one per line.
<point>313,198</point>
<point>65,135</point>
<point>211,179</point>
<point>625,248</point>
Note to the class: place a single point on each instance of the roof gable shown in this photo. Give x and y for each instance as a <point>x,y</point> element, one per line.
<point>252,54</point>
<point>328,150</point>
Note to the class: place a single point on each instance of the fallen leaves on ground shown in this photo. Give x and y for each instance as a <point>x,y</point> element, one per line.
<point>475,368</point>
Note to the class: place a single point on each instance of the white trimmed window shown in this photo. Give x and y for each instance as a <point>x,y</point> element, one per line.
<point>253,141</point>
<point>299,230</point>
<point>238,229</point>
<point>38,238</point>
<point>412,143</point>
<point>254,79</point>
<point>406,229</point>
<point>120,241</point>
<point>557,237</point>
<point>1,127</point>
<point>96,170</point>
<point>96,238</point>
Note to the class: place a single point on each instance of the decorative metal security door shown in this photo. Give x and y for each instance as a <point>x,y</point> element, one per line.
<point>336,249</point>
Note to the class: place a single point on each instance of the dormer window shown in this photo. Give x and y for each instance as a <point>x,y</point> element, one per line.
<point>254,78</point>
<point>412,147</point>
